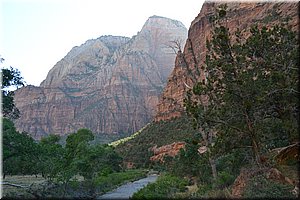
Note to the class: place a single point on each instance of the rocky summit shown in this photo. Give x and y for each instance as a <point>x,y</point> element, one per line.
<point>110,85</point>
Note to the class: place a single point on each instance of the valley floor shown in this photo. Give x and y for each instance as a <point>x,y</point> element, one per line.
<point>32,187</point>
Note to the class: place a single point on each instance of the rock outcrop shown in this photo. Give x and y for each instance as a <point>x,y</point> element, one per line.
<point>167,150</point>
<point>109,85</point>
<point>188,63</point>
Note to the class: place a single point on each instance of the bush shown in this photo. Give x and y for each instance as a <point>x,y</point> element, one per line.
<point>203,189</point>
<point>260,187</point>
<point>224,179</point>
<point>108,182</point>
<point>166,186</point>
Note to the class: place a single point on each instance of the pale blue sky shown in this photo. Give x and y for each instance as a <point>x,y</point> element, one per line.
<point>35,34</point>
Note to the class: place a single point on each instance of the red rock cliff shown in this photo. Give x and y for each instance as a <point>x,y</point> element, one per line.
<point>109,85</point>
<point>188,63</point>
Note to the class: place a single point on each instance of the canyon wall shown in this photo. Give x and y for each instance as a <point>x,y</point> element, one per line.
<point>110,85</point>
<point>188,63</point>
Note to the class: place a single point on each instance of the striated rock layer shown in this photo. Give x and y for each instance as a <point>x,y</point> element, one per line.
<point>188,63</point>
<point>109,85</point>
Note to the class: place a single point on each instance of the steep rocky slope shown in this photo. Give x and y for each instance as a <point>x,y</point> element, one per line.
<point>188,63</point>
<point>171,123</point>
<point>110,85</point>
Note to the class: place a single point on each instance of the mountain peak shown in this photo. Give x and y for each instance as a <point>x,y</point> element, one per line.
<point>159,21</point>
<point>110,85</point>
<point>156,16</point>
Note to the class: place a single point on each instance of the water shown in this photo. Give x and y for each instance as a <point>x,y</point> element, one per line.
<point>127,190</point>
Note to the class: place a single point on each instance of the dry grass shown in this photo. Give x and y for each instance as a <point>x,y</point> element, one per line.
<point>25,180</point>
<point>192,189</point>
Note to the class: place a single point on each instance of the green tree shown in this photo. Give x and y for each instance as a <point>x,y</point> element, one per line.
<point>76,142</point>
<point>97,160</point>
<point>83,158</point>
<point>251,87</point>
<point>20,151</point>
<point>10,77</point>
<point>77,145</point>
<point>88,160</point>
<point>51,156</point>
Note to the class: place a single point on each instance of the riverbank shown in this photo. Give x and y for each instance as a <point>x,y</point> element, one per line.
<point>31,187</point>
<point>127,190</point>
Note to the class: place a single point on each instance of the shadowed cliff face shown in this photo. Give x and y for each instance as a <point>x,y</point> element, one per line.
<point>110,85</point>
<point>188,64</point>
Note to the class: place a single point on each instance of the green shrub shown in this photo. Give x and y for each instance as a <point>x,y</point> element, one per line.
<point>208,191</point>
<point>260,187</point>
<point>166,186</point>
<point>224,179</point>
<point>203,189</point>
<point>233,161</point>
<point>107,182</point>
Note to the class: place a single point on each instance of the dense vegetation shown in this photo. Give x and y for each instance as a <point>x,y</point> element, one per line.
<point>247,106</point>
<point>23,155</point>
<point>11,78</point>
<point>166,186</point>
<point>108,182</point>
<point>76,167</point>
<point>160,133</point>
<point>19,151</point>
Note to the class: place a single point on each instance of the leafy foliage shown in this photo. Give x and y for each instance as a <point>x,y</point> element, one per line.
<point>20,151</point>
<point>160,133</point>
<point>166,186</point>
<point>107,182</point>
<point>82,158</point>
<point>10,77</point>
<point>189,163</point>
<point>60,165</point>
<point>261,187</point>
<point>251,88</point>
<point>51,156</point>
<point>246,106</point>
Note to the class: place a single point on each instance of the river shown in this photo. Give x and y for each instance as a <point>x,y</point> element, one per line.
<point>127,190</point>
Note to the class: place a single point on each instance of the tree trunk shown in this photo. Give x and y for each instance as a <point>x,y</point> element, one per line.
<point>254,141</point>
<point>65,189</point>
<point>208,140</point>
<point>213,167</point>
<point>255,149</point>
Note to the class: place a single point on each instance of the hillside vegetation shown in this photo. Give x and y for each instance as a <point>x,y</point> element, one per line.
<point>242,120</point>
<point>160,133</point>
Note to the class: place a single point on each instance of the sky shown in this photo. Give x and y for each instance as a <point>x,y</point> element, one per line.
<point>36,34</point>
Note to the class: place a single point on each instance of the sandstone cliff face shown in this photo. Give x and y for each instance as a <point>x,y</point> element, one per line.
<point>109,85</point>
<point>188,63</point>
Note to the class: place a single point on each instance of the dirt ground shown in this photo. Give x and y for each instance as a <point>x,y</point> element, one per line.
<point>25,180</point>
